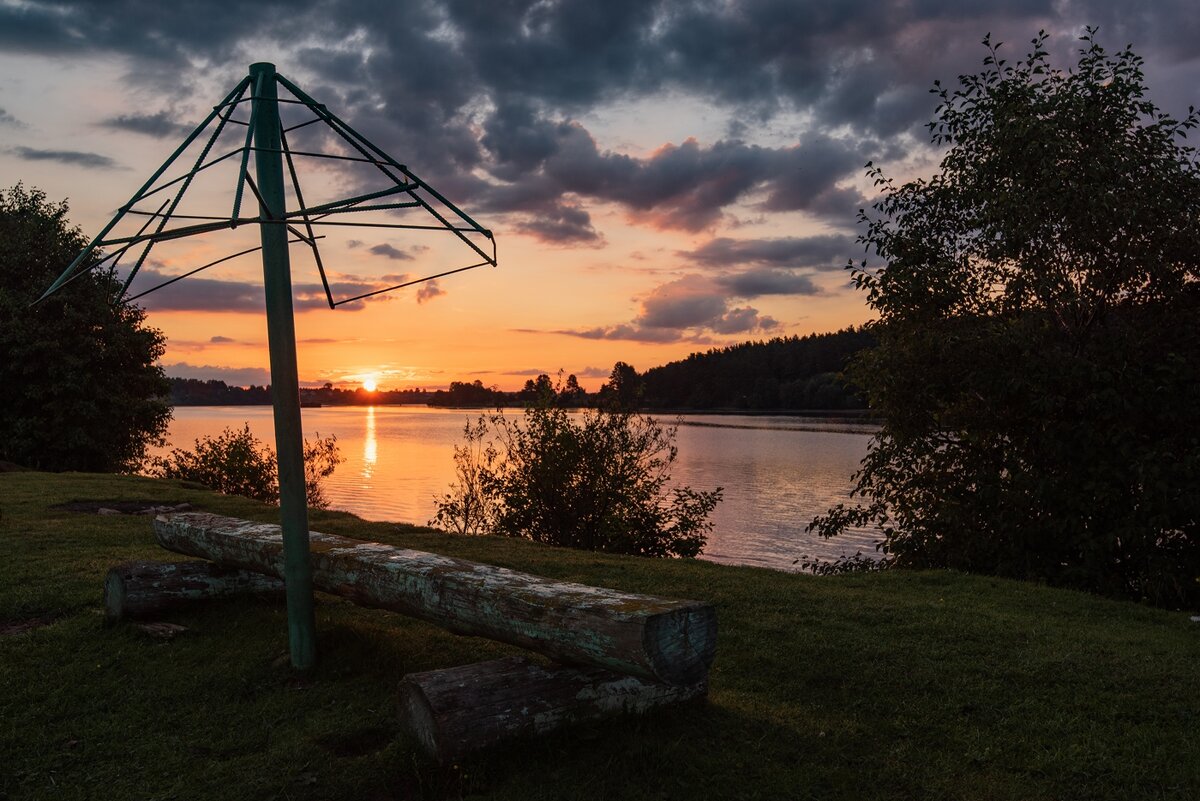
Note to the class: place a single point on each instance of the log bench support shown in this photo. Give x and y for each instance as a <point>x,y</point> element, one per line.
<point>656,639</point>
<point>455,711</point>
<point>140,590</point>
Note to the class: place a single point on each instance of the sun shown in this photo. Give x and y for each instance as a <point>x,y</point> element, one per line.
<point>369,383</point>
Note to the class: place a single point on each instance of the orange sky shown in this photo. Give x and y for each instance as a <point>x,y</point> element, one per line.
<point>499,325</point>
<point>660,178</point>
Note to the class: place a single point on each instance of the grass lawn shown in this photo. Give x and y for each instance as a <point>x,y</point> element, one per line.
<point>900,685</point>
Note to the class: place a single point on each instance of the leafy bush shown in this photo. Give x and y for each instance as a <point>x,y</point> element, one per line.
<point>1039,355</point>
<point>596,481</point>
<point>238,463</point>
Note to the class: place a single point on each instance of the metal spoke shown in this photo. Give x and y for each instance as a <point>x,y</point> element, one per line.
<point>283,144</point>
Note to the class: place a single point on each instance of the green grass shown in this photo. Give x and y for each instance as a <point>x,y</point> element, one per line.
<point>883,686</point>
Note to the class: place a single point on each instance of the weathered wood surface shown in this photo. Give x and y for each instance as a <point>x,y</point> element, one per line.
<point>655,638</point>
<point>143,589</point>
<point>458,710</point>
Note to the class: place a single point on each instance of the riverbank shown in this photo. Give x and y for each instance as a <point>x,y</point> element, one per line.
<point>882,686</point>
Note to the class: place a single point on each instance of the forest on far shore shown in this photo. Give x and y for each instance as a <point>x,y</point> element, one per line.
<point>784,373</point>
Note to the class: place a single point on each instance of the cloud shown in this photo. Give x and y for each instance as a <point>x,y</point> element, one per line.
<point>594,372</point>
<point>75,158</point>
<point>689,302</point>
<point>10,120</point>
<point>234,376</point>
<point>686,186</point>
<point>624,331</point>
<point>159,125</point>
<point>811,90</point>
<point>219,295</point>
<point>755,283</point>
<point>823,252</point>
<point>559,224</point>
<point>697,302</point>
<point>220,340</point>
<point>391,252</point>
<point>198,294</point>
<point>429,290</point>
<point>689,308</point>
<point>743,320</point>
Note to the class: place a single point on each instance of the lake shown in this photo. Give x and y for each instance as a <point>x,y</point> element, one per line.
<point>778,472</point>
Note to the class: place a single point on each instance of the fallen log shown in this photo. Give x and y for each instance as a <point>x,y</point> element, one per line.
<point>641,635</point>
<point>458,710</point>
<point>144,589</point>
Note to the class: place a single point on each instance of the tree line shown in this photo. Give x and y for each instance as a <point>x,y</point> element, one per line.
<point>781,373</point>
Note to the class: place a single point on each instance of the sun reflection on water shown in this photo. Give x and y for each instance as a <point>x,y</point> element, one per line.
<point>370,449</point>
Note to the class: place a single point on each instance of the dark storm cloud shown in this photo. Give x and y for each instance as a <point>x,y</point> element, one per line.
<point>685,186</point>
<point>481,95</point>
<point>160,125</point>
<point>74,158</point>
<point>559,224</point>
<point>823,252</point>
<point>756,283</point>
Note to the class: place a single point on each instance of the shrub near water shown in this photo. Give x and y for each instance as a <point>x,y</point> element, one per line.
<point>597,480</point>
<point>238,463</point>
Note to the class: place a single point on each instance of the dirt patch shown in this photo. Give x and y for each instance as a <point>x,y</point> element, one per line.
<point>10,627</point>
<point>126,507</point>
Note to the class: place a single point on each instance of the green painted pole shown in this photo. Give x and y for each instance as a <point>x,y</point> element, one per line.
<point>285,381</point>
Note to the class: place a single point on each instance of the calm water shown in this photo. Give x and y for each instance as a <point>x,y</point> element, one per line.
<point>778,472</point>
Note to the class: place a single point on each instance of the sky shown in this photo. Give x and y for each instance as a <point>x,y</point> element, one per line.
<point>660,177</point>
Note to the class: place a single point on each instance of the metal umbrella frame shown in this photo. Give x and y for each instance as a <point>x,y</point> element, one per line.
<point>266,138</point>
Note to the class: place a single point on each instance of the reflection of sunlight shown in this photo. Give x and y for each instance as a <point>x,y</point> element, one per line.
<point>369,447</point>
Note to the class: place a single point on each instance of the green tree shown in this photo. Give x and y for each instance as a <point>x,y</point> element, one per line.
<point>238,463</point>
<point>1039,355</point>
<point>82,390</point>
<point>597,480</point>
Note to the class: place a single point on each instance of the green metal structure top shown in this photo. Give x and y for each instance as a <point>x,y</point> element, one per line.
<point>403,191</point>
<point>266,138</point>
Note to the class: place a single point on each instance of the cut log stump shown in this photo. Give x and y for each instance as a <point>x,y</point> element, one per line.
<point>143,589</point>
<point>458,710</point>
<point>654,638</point>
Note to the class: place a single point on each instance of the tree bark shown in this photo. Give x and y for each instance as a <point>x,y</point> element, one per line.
<point>458,710</point>
<point>654,638</point>
<point>143,589</point>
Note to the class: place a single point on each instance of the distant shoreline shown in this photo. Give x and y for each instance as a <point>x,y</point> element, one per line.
<point>864,415</point>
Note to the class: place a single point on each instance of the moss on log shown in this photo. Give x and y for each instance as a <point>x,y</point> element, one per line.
<point>655,638</point>
<point>458,710</point>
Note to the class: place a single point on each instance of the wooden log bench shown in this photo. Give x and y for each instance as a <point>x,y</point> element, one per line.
<point>657,639</point>
<point>615,652</point>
